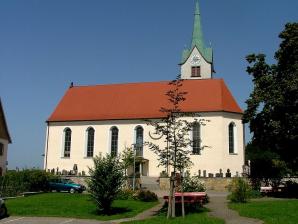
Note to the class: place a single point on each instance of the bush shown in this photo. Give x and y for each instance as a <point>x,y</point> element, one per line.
<point>125,194</point>
<point>192,184</point>
<point>17,182</point>
<point>106,179</point>
<point>145,195</point>
<point>240,190</point>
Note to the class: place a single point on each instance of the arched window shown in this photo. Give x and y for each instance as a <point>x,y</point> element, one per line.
<point>114,141</point>
<point>196,138</point>
<point>1,149</point>
<point>90,142</point>
<point>67,142</point>
<point>232,138</point>
<point>139,133</point>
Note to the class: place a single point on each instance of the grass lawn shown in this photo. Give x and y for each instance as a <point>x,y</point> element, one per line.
<point>200,217</point>
<point>271,212</point>
<point>72,205</point>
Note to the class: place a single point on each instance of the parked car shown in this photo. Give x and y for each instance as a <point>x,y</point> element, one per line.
<point>66,185</point>
<point>3,209</point>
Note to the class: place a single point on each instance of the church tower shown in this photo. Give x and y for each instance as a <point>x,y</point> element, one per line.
<point>197,61</point>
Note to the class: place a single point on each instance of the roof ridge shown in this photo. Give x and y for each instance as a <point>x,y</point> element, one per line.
<point>146,82</point>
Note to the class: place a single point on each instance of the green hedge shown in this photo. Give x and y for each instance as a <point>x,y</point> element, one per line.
<point>16,182</point>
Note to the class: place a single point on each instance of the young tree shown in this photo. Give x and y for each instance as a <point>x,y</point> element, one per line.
<point>106,179</point>
<point>175,130</point>
<point>272,106</point>
<point>127,157</point>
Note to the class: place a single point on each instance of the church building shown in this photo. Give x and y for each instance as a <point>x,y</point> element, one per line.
<point>100,119</point>
<point>4,141</point>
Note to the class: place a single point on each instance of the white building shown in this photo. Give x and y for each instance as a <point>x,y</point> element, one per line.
<point>4,141</point>
<point>100,119</point>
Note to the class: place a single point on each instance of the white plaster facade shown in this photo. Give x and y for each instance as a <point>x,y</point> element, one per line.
<point>214,134</point>
<point>206,68</point>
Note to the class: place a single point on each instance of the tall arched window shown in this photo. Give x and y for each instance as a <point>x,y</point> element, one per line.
<point>67,142</point>
<point>90,142</point>
<point>139,140</point>
<point>196,138</point>
<point>1,149</point>
<point>114,141</point>
<point>232,133</point>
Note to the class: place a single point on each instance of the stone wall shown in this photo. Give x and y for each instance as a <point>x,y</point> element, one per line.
<point>214,184</point>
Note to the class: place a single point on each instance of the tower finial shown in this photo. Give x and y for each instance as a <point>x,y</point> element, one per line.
<point>197,35</point>
<point>197,11</point>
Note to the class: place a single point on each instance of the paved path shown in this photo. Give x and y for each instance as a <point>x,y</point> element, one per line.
<point>218,206</point>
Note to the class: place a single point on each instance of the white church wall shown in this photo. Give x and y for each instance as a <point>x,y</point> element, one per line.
<point>213,134</point>
<point>206,69</point>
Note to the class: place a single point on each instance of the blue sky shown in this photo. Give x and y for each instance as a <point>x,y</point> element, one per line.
<point>45,45</point>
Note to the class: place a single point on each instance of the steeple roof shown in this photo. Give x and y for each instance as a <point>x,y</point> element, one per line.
<point>197,39</point>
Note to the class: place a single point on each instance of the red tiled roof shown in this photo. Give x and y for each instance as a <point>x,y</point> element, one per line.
<point>141,100</point>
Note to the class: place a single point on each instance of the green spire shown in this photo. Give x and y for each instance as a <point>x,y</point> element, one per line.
<point>197,39</point>
<point>197,35</point>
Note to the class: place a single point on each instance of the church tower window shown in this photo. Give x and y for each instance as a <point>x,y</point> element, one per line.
<point>114,141</point>
<point>67,142</point>
<point>195,71</point>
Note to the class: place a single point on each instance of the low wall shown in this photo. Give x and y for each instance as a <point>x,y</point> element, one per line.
<point>215,184</point>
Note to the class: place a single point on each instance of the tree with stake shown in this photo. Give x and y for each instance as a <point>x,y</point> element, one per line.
<point>176,130</point>
<point>106,179</point>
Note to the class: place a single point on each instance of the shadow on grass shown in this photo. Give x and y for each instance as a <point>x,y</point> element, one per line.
<point>113,211</point>
<point>189,209</point>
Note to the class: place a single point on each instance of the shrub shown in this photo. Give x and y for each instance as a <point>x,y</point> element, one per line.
<point>16,182</point>
<point>240,190</point>
<point>106,179</point>
<point>125,194</point>
<point>192,184</point>
<point>145,195</point>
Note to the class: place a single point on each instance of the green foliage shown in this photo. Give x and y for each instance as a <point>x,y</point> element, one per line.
<point>105,181</point>
<point>192,184</point>
<point>266,167</point>
<point>145,195</point>
<point>125,194</point>
<point>272,106</point>
<point>240,190</point>
<point>127,157</point>
<point>17,182</point>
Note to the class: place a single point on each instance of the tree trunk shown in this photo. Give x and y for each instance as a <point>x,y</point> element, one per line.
<point>173,197</point>
<point>182,197</point>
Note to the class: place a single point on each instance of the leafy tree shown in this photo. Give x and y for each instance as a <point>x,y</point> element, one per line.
<point>127,157</point>
<point>105,181</point>
<point>272,106</point>
<point>175,130</point>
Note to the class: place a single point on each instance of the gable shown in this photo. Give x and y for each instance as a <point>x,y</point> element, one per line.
<point>4,134</point>
<point>140,100</point>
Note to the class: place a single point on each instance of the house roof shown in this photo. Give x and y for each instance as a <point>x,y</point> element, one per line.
<point>140,100</point>
<point>4,133</point>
